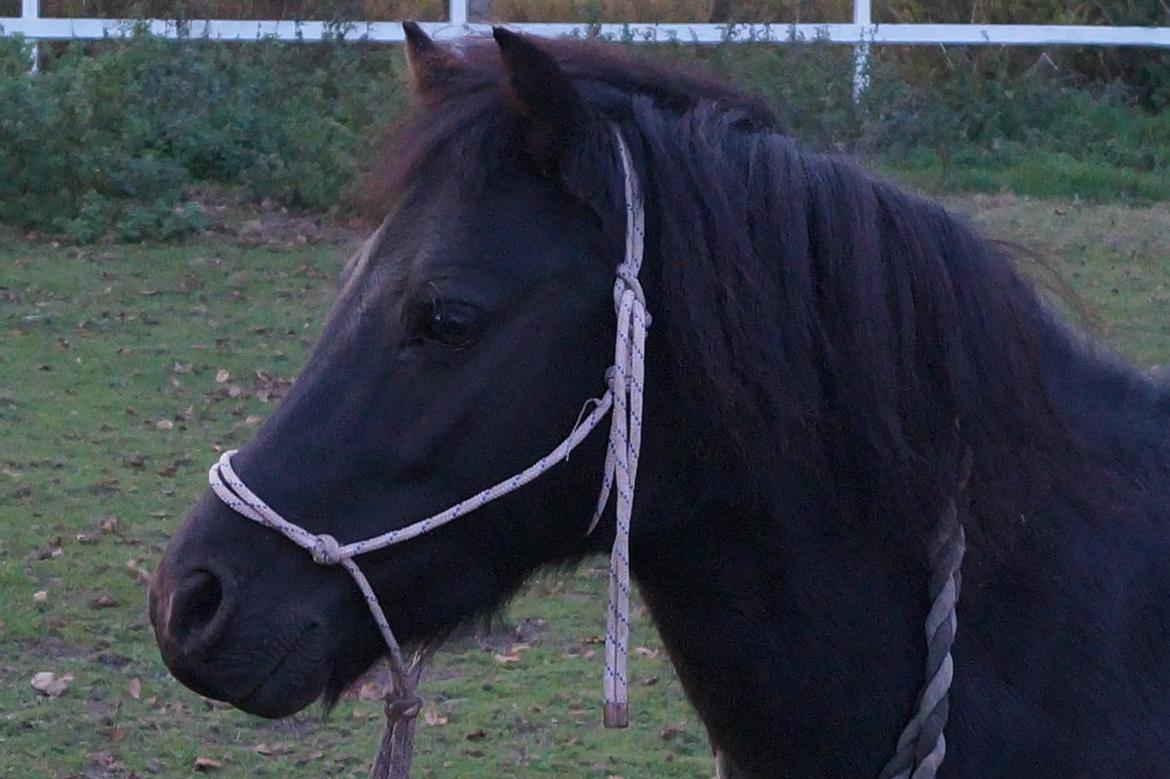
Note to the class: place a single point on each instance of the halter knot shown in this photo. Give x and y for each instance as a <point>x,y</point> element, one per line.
<point>627,278</point>
<point>405,708</point>
<point>326,550</point>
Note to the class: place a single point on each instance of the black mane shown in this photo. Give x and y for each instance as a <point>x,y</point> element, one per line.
<point>803,298</point>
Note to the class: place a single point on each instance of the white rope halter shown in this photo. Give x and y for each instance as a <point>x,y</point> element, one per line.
<point>922,746</point>
<point>625,379</point>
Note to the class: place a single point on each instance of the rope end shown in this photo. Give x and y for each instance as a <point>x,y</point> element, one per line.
<point>616,715</point>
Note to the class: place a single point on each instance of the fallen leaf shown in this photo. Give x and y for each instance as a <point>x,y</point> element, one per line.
<point>164,424</point>
<point>432,717</point>
<point>135,688</point>
<point>371,691</point>
<point>47,683</point>
<point>40,596</point>
<point>205,765</point>
<point>270,750</point>
<point>116,735</point>
<point>505,659</point>
<point>135,569</point>
<point>222,376</point>
<point>645,651</point>
<point>103,601</point>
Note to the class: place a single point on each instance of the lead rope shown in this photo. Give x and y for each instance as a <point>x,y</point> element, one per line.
<point>624,396</point>
<point>922,745</point>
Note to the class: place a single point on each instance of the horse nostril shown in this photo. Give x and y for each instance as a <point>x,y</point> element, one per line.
<point>199,611</point>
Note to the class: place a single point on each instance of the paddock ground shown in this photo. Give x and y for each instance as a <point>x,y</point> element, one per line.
<point>121,367</point>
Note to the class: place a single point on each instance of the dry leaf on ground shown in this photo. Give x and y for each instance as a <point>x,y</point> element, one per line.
<point>49,684</point>
<point>206,764</point>
<point>432,717</point>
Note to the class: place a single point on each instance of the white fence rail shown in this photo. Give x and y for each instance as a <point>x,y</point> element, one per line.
<point>40,28</point>
<point>862,32</point>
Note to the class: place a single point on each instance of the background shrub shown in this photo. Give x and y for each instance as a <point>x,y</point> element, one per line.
<point>109,136</point>
<point>112,138</point>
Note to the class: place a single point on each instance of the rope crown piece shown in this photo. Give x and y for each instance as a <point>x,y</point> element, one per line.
<point>625,380</point>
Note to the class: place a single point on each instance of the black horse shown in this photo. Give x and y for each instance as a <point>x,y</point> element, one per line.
<point>825,347</point>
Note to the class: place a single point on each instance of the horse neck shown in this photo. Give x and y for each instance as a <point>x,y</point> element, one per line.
<point>777,620</point>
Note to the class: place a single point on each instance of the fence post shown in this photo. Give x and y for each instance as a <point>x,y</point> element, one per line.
<point>457,12</point>
<point>30,11</point>
<point>862,16</point>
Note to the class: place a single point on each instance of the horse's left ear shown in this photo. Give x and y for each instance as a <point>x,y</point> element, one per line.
<point>432,67</point>
<point>543,95</point>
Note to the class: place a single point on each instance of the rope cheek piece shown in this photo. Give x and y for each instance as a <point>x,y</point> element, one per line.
<point>624,397</point>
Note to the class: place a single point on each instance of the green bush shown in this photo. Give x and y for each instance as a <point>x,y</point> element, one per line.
<point>1038,130</point>
<point>111,138</point>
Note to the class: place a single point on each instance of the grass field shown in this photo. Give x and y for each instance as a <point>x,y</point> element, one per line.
<point>113,401</point>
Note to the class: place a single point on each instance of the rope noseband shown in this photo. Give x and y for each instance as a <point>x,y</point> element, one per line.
<point>921,747</point>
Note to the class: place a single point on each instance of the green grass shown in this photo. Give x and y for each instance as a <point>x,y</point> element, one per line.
<point>1037,174</point>
<point>99,346</point>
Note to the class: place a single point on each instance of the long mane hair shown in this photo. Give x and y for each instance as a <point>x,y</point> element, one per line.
<point>813,315</point>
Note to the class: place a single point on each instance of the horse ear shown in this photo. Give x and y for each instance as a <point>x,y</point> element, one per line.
<point>542,93</point>
<point>429,64</point>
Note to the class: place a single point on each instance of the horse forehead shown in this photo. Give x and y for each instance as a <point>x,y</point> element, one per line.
<point>355,267</point>
<point>490,238</point>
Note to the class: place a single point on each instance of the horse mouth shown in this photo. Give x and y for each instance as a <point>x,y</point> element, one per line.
<point>294,680</point>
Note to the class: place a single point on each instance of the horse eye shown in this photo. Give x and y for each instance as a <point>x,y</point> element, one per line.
<point>452,324</point>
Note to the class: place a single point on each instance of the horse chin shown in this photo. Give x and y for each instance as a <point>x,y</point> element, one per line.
<point>294,682</point>
<point>346,672</point>
<point>274,698</point>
